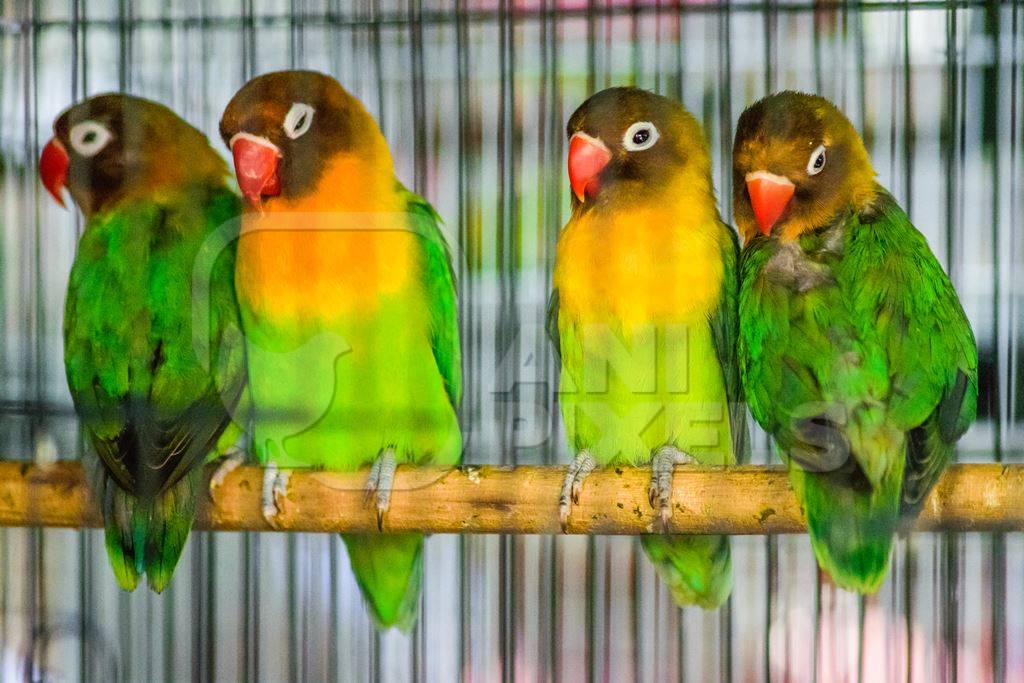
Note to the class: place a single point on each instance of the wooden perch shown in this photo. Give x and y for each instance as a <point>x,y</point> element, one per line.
<point>520,500</point>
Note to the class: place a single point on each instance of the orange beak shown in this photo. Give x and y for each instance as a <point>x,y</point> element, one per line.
<point>53,169</point>
<point>256,163</point>
<point>769,197</point>
<point>587,158</point>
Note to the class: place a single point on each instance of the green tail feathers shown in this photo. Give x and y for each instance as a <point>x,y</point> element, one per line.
<point>146,536</point>
<point>389,571</point>
<point>697,569</point>
<point>851,524</point>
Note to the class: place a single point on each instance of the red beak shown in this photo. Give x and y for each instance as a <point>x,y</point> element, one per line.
<point>53,169</point>
<point>769,197</point>
<point>587,158</point>
<point>256,163</point>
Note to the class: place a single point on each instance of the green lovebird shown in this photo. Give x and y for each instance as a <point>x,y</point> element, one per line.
<point>643,312</point>
<point>152,339</point>
<point>856,355</point>
<point>347,294</point>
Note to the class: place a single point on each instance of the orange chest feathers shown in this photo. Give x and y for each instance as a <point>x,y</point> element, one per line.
<point>645,266</point>
<point>336,251</point>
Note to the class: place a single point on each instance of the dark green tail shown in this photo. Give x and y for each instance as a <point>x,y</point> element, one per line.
<point>389,571</point>
<point>851,524</point>
<point>697,569</point>
<point>147,535</point>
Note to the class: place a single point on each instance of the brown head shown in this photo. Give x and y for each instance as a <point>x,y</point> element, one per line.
<point>284,128</point>
<point>113,146</point>
<point>628,144</point>
<point>798,163</point>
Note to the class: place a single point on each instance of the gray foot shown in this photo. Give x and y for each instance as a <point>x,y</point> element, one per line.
<point>380,483</point>
<point>274,493</point>
<point>662,467</point>
<point>581,467</point>
<point>233,457</point>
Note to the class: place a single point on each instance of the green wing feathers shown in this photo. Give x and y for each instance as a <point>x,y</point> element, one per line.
<point>439,280</point>
<point>858,359</point>
<point>724,332</point>
<point>153,409</point>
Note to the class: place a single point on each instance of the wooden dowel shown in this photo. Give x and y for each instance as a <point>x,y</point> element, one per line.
<point>520,500</point>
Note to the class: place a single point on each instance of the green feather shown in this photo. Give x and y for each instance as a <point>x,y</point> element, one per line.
<point>359,382</point>
<point>439,281</point>
<point>858,359</point>
<point>696,569</point>
<point>153,409</point>
<point>389,571</point>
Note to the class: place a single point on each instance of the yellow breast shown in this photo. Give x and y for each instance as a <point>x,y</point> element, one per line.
<point>651,265</point>
<point>336,251</point>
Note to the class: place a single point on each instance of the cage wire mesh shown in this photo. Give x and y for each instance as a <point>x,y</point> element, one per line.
<point>473,99</point>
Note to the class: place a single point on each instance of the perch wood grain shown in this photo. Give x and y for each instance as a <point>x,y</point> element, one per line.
<point>520,500</point>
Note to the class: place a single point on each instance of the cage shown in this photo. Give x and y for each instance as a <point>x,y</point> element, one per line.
<point>473,98</point>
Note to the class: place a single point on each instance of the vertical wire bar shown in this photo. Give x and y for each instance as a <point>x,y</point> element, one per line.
<point>507,341</point>
<point>551,195</point>
<point>251,541</point>
<point>85,578</point>
<point>418,75</point>
<point>868,135</point>
<point>334,564</point>
<point>1014,379</point>
<point>291,575</point>
<point>5,542</point>
<point>124,26</point>
<point>35,315</point>
<point>949,574</point>
<point>548,182</point>
<point>589,667</point>
<point>910,558</point>
<point>990,132</point>
<point>771,543</point>
<point>167,642</point>
<point>465,287</point>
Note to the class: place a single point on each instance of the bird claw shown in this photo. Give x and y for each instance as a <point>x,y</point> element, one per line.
<point>572,486</point>
<point>380,483</point>
<point>233,457</point>
<point>659,494</point>
<point>274,494</point>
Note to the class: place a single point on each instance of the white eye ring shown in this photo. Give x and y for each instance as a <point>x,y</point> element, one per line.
<point>89,137</point>
<point>813,168</point>
<point>298,120</point>
<point>638,127</point>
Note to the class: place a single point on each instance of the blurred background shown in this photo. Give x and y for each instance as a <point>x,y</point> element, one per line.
<point>473,98</point>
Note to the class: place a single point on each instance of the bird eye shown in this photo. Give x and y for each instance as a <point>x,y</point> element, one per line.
<point>817,160</point>
<point>89,137</point>
<point>298,120</point>
<point>640,136</point>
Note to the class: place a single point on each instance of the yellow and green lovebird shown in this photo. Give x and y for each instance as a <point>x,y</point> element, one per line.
<point>347,296</point>
<point>856,354</point>
<point>152,341</point>
<point>644,314</point>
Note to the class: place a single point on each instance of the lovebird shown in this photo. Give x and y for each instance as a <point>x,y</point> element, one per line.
<point>348,303</point>
<point>855,352</point>
<point>643,312</point>
<point>152,338</point>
